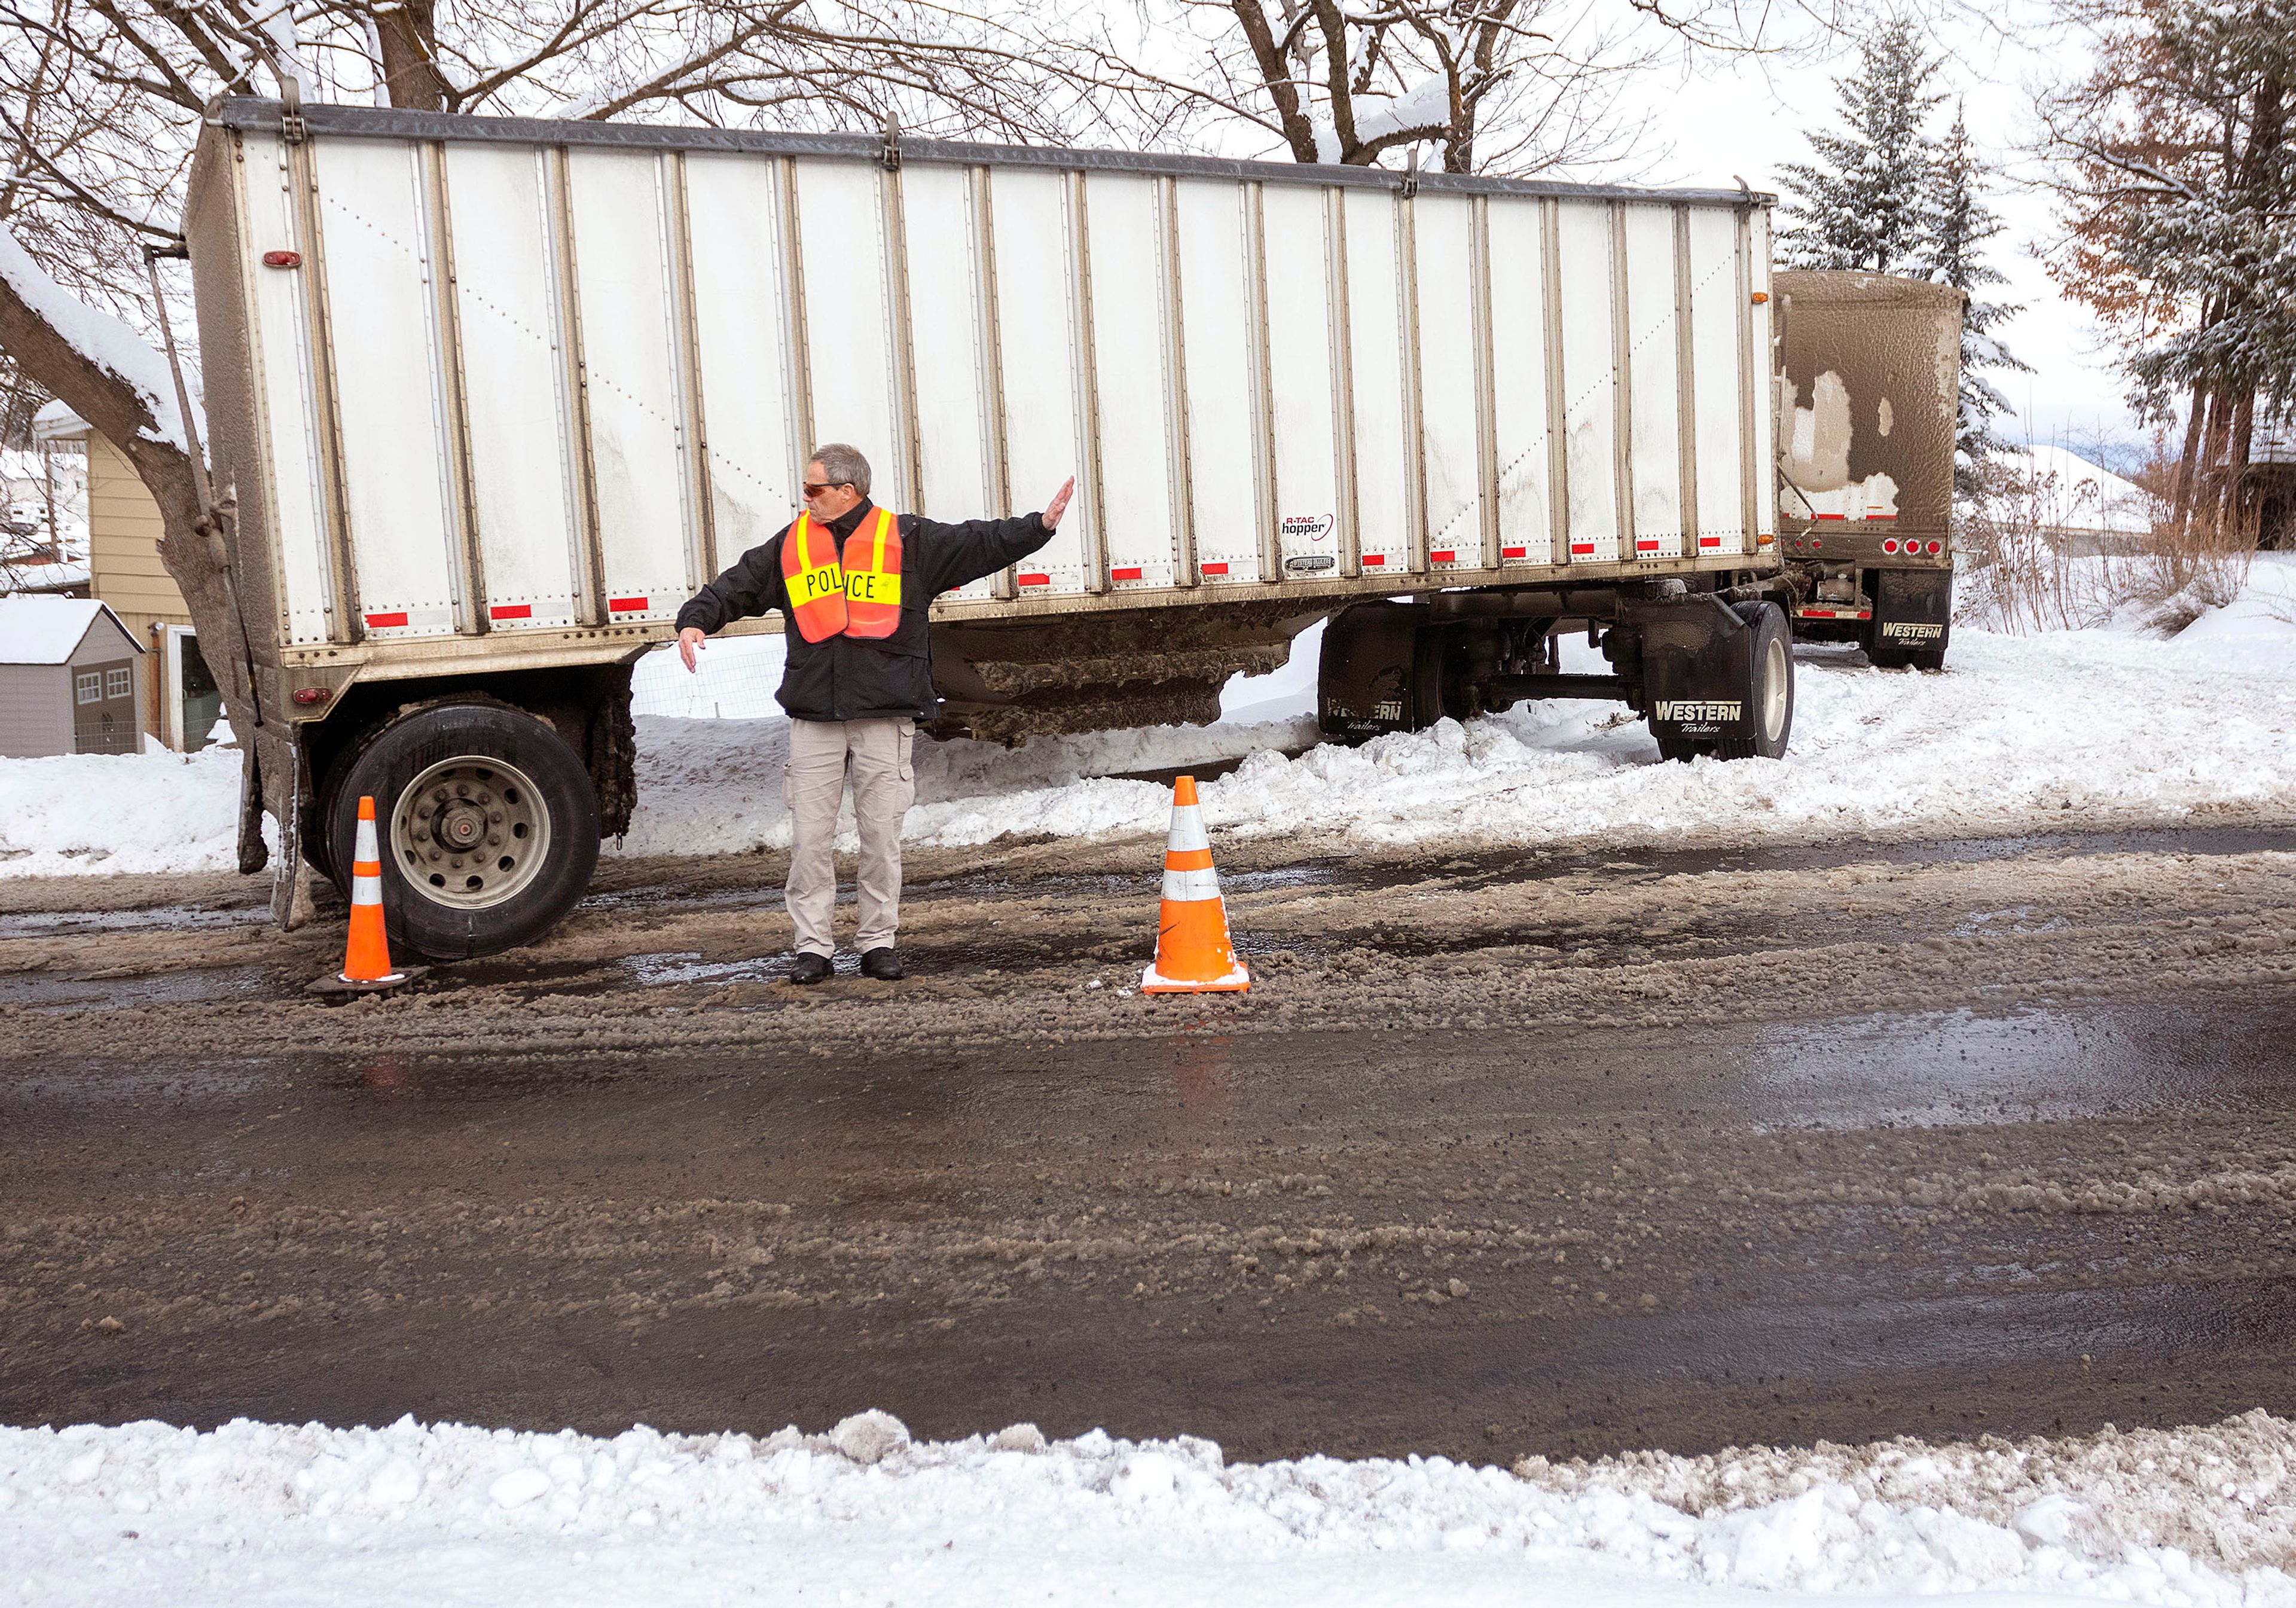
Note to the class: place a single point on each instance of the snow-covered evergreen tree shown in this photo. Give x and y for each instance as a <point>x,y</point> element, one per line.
<point>1865,199</point>
<point>1959,223</point>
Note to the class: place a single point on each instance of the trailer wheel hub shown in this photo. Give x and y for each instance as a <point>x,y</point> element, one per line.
<point>470,831</point>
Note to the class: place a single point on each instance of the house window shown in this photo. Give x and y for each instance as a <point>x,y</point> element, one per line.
<point>89,686</point>
<point>118,683</point>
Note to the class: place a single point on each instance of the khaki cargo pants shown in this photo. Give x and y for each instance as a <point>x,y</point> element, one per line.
<point>877,755</point>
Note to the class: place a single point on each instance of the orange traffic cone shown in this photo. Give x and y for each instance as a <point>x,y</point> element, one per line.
<point>366,956</point>
<point>1193,955</point>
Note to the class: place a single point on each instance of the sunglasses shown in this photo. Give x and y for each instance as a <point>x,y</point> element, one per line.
<point>813,490</point>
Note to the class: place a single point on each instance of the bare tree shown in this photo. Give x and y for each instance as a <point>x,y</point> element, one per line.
<point>1506,86</point>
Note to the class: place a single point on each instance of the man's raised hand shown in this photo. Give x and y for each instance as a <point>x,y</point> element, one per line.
<point>689,643</point>
<point>1060,504</point>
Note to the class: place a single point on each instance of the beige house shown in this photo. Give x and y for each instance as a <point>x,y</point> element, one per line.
<point>181,701</point>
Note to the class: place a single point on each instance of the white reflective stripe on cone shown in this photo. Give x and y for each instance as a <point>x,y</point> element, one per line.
<point>1188,829</point>
<point>1187,886</point>
<point>367,891</point>
<point>1150,977</point>
<point>364,845</point>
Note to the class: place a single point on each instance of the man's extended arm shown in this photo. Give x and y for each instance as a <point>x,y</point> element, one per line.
<point>748,589</point>
<point>951,555</point>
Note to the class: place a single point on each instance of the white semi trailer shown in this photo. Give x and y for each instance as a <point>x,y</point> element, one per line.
<point>490,398</point>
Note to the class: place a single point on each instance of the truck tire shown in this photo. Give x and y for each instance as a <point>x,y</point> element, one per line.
<point>487,820</point>
<point>1768,688</point>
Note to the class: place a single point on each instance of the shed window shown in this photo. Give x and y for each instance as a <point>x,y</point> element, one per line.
<point>89,686</point>
<point>118,683</point>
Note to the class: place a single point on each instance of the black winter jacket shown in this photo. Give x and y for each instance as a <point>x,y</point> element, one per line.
<point>854,679</point>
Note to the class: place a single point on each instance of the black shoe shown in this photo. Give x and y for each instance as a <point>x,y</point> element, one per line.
<point>882,964</point>
<point>809,967</point>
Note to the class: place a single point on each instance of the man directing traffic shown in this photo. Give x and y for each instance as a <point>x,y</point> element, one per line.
<point>853,582</point>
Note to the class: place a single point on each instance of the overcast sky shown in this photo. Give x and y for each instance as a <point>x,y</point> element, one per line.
<point>1750,116</point>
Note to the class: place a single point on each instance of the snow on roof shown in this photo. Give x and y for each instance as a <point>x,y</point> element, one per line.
<point>42,577</point>
<point>46,630</point>
<point>57,423</point>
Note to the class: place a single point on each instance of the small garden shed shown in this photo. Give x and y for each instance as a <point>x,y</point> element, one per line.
<point>69,679</point>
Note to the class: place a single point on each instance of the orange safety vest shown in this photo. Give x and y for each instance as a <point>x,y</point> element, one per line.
<point>860,597</point>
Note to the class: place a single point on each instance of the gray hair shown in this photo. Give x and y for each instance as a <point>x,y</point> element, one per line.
<point>842,465</point>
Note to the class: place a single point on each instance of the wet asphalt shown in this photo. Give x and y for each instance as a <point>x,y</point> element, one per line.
<point>1567,1240</point>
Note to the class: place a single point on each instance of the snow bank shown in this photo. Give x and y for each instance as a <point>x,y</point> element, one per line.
<point>2075,730</point>
<point>410,1513</point>
<point>2072,730</point>
<point>148,812</point>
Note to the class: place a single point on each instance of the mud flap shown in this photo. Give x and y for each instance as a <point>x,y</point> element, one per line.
<point>1912,609</point>
<point>1697,664</point>
<point>1376,675</point>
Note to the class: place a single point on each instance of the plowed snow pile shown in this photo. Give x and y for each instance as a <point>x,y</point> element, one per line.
<point>2072,730</point>
<point>2076,730</point>
<point>258,1512</point>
